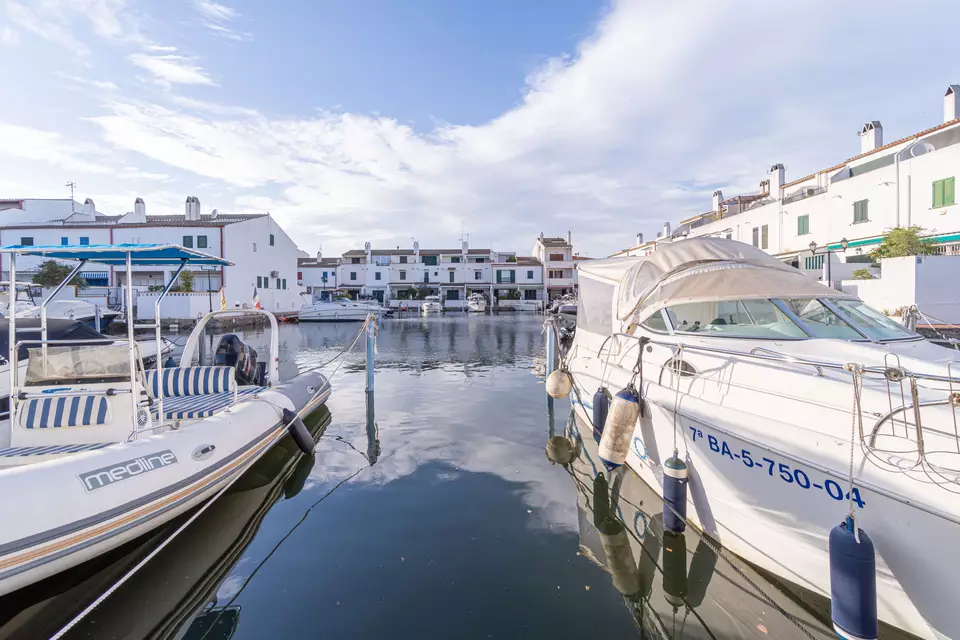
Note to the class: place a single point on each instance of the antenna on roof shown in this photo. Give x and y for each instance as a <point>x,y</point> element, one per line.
<point>72,185</point>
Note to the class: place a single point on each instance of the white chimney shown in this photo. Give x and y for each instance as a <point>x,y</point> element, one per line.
<point>776,173</point>
<point>666,229</point>
<point>192,208</point>
<point>464,249</point>
<point>368,249</point>
<point>319,255</point>
<point>416,251</point>
<point>871,136</point>
<point>717,199</point>
<point>951,106</point>
<point>639,239</point>
<point>569,238</point>
<point>139,207</point>
<point>89,207</point>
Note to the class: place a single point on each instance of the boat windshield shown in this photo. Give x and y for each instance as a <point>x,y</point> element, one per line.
<point>78,364</point>
<point>774,319</point>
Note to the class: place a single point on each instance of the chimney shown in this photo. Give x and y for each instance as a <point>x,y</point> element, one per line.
<point>871,136</point>
<point>639,239</point>
<point>192,208</point>
<point>569,238</point>
<point>319,255</point>
<point>464,249</point>
<point>776,174</point>
<point>139,207</point>
<point>89,207</point>
<point>717,199</point>
<point>765,187</point>
<point>951,106</point>
<point>416,251</point>
<point>666,230</point>
<point>367,248</point>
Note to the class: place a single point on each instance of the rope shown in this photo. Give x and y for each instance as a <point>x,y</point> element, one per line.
<point>943,337</point>
<point>243,469</point>
<point>675,371</point>
<point>856,372</point>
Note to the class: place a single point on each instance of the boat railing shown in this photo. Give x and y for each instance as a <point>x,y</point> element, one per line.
<point>897,439</point>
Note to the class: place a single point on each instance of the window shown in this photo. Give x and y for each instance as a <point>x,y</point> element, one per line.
<point>656,322</point>
<point>821,321</point>
<point>813,262</point>
<point>403,275</point>
<point>943,193</point>
<point>860,211</point>
<point>266,282</point>
<point>803,225</point>
<point>480,260</point>
<point>84,240</point>
<point>271,239</point>
<point>733,318</point>
<point>201,242</point>
<point>530,274</point>
<point>376,276</point>
<point>259,282</point>
<point>556,257</point>
<point>430,260</point>
<point>254,247</point>
<point>453,275</point>
<point>455,260</point>
<point>354,260</point>
<point>426,276</point>
<point>188,242</point>
<point>403,259</point>
<point>64,241</point>
<point>353,275</point>
<point>453,294</point>
<point>278,284</point>
<point>299,275</point>
<point>756,236</point>
<point>729,236</point>
<point>530,294</point>
<point>27,241</point>
<point>764,237</point>
<point>506,276</point>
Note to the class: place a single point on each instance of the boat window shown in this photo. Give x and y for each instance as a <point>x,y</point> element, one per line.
<point>874,323</point>
<point>733,319</point>
<point>821,321</point>
<point>595,313</point>
<point>78,364</point>
<point>656,323</point>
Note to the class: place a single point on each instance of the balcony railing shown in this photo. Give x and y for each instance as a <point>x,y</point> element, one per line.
<point>804,193</point>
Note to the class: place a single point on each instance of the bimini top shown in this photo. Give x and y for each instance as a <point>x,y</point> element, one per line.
<point>116,254</point>
<point>700,270</point>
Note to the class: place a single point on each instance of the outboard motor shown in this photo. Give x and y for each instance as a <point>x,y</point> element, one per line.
<point>232,352</point>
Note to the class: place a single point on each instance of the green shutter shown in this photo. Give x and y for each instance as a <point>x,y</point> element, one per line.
<point>938,194</point>
<point>948,191</point>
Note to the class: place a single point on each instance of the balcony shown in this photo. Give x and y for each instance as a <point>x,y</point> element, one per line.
<point>559,282</point>
<point>559,264</point>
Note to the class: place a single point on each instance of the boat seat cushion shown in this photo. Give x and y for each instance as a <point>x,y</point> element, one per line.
<point>196,407</point>
<point>192,381</point>
<point>65,411</point>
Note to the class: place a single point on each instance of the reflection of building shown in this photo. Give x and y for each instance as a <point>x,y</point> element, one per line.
<point>264,256</point>
<point>556,255</point>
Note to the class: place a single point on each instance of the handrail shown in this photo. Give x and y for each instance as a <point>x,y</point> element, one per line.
<point>835,366</point>
<point>788,358</point>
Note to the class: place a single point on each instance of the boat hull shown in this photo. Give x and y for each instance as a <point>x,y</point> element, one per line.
<point>343,314</point>
<point>96,501</point>
<point>739,493</point>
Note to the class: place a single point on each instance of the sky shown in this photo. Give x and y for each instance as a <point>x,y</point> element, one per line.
<point>382,121</point>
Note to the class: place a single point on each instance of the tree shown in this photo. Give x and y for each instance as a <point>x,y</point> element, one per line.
<point>900,241</point>
<point>186,281</point>
<point>51,273</point>
<point>862,274</point>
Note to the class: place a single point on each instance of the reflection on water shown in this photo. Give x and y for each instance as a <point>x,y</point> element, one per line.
<point>431,512</point>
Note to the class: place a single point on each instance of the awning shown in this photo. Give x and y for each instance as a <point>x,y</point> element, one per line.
<point>116,254</point>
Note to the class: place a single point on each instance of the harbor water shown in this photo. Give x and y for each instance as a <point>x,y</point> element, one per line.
<point>434,511</point>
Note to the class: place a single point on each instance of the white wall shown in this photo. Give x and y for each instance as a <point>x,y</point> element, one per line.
<point>179,306</point>
<point>239,241</point>
<point>928,282</point>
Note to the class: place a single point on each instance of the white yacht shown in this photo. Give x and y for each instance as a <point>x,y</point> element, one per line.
<point>431,304</point>
<point>476,303</point>
<point>99,450</point>
<point>335,306</point>
<point>68,309</point>
<point>773,388</point>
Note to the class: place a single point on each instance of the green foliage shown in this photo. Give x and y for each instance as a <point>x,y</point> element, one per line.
<point>862,274</point>
<point>900,241</point>
<point>510,294</point>
<point>51,273</point>
<point>511,258</point>
<point>186,281</point>
<point>155,288</point>
<point>422,293</point>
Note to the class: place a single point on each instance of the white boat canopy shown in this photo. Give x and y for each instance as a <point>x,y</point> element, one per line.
<point>696,270</point>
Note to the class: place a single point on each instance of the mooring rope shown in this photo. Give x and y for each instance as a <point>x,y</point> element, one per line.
<point>856,417</point>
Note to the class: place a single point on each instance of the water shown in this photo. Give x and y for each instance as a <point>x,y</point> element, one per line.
<point>442,517</point>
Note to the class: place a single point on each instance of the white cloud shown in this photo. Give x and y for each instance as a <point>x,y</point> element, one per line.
<point>103,85</point>
<point>25,143</point>
<point>215,11</point>
<point>8,36</point>
<point>171,69</point>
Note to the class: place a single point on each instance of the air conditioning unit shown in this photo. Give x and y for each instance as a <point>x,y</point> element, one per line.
<point>274,274</point>
<point>809,191</point>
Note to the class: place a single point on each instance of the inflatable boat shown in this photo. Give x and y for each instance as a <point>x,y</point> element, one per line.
<point>98,449</point>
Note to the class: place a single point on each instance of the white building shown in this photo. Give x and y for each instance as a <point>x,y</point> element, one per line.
<point>557,257</point>
<point>907,182</point>
<point>264,256</point>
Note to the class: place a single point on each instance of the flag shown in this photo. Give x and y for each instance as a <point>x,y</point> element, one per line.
<point>223,299</point>
<point>256,299</point>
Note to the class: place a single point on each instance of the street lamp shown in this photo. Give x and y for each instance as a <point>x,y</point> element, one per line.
<point>844,243</point>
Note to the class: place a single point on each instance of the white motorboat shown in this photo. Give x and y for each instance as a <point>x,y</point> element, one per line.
<point>748,369</point>
<point>476,303</point>
<point>335,306</point>
<point>431,304</point>
<point>99,450</point>
<point>565,305</point>
<point>69,309</point>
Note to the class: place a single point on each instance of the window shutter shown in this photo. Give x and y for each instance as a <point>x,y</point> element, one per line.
<point>948,191</point>
<point>937,194</point>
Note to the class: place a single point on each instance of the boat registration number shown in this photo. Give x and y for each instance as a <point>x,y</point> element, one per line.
<point>773,468</point>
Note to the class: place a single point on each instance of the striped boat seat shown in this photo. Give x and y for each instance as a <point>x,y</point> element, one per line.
<point>192,381</point>
<point>196,407</point>
<point>51,449</point>
<point>66,411</point>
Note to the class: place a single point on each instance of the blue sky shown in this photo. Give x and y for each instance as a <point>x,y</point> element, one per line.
<point>356,120</point>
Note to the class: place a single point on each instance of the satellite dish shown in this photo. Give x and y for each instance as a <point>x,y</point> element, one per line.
<point>921,148</point>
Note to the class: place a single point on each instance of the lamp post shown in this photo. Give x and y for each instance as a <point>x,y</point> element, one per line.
<point>209,271</point>
<point>844,243</point>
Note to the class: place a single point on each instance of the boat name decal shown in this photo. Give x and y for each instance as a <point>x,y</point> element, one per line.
<point>105,476</point>
<point>775,469</point>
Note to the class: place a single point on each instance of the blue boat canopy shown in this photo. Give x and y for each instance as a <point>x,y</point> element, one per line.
<point>116,254</point>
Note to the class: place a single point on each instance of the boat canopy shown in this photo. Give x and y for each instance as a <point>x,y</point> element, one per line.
<point>116,254</point>
<point>693,270</point>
